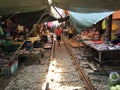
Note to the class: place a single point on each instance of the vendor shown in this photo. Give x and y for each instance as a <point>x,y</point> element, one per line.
<point>44,37</point>
<point>115,37</point>
<point>70,32</point>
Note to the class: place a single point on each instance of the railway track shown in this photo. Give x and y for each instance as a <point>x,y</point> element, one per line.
<point>97,74</point>
<point>92,75</point>
<point>65,72</point>
<point>66,69</point>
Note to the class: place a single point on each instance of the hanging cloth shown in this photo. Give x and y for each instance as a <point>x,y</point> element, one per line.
<point>104,24</point>
<point>114,26</point>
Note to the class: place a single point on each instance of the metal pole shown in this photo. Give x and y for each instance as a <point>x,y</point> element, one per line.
<point>109,27</point>
<point>39,19</point>
<point>9,17</point>
<point>47,86</point>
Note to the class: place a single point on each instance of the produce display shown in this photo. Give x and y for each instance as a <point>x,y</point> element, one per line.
<point>114,81</point>
<point>116,87</point>
<point>75,43</point>
<point>90,35</point>
<point>10,46</point>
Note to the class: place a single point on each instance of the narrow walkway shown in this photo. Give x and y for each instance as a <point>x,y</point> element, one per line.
<point>63,72</point>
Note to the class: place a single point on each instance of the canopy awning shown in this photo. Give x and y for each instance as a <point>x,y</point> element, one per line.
<point>32,17</point>
<point>81,10</point>
<point>88,6</point>
<point>19,6</point>
<point>82,20</point>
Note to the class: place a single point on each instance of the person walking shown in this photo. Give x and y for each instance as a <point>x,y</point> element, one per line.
<point>58,33</point>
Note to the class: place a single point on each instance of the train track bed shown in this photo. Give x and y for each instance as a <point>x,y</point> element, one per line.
<point>98,74</point>
<point>64,73</point>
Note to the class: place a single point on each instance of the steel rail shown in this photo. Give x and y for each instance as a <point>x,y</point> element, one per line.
<point>80,69</point>
<point>103,69</point>
<point>51,58</point>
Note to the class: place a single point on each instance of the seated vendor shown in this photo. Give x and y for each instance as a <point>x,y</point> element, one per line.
<point>115,38</point>
<point>116,41</point>
<point>44,37</point>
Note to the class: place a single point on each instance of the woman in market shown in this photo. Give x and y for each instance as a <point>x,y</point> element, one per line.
<point>44,37</point>
<point>25,32</point>
<point>116,37</point>
<point>70,32</point>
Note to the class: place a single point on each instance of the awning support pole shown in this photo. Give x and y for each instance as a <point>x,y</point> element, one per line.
<point>28,35</point>
<point>39,20</point>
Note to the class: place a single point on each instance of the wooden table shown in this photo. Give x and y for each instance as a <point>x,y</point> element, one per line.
<point>103,55</point>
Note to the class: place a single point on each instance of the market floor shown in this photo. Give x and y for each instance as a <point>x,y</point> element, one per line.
<point>4,81</point>
<point>21,79</point>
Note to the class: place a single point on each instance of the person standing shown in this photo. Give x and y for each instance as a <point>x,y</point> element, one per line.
<point>70,32</point>
<point>58,33</point>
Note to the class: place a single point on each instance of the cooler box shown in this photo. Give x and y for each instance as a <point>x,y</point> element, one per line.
<point>10,68</point>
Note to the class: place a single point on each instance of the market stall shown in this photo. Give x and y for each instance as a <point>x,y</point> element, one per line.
<point>7,65</point>
<point>34,48</point>
<point>102,52</point>
<point>98,46</point>
<point>13,53</point>
<point>32,55</point>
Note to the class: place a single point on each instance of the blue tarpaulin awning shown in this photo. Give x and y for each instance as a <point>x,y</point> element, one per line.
<point>82,20</point>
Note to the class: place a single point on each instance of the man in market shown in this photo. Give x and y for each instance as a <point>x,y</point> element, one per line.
<point>58,33</point>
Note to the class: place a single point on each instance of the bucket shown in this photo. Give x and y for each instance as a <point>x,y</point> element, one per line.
<point>114,78</point>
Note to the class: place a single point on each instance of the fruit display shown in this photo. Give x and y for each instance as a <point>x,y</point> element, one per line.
<point>117,87</point>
